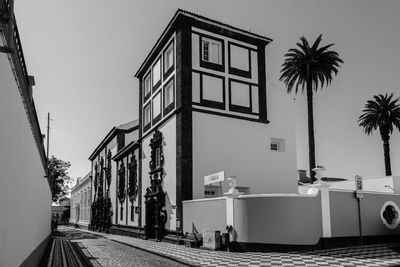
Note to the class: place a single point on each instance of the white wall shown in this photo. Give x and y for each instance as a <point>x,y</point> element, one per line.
<point>25,198</point>
<point>169,148</point>
<point>242,148</point>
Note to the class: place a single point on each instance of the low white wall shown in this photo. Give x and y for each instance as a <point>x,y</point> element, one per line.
<point>25,198</point>
<point>345,218</point>
<point>278,219</point>
<point>204,214</point>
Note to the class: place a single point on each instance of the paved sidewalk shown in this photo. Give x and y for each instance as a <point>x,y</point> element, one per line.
<point>367,255</point>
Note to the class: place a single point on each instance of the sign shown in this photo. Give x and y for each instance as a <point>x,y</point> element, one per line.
<point>214,178</point>
<point>359,186</point>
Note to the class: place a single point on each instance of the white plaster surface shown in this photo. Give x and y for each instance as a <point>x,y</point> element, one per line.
<point>242,148</point>
<point>25,199</point>
<point>169,134</point>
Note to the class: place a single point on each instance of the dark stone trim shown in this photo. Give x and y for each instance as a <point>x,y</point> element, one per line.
<point>167,72</point>
<point>140,154</point>
<point>148,125</point>
<point>228,115</point>
<point>236,71</point>
<point>158,118</point>
<point>210,65</point>
<point>237,108</point>
<point>211,103</point>
<point>184,136</point>
<point>127,230</point>
<point>323,243</point>
<point>171,106</point>
<point>146,97</point>
<point>37,254</point>
<point>155,86</point>
<point>262,87</point>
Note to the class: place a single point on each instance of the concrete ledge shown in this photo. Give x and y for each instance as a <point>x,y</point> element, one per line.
<point>34,258</point>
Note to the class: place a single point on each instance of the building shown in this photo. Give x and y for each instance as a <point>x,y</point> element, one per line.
<point>61,212</point>
<point>81,202</point>
<point>204,108</point>
<point>25,195</point>
<point>104,176</point>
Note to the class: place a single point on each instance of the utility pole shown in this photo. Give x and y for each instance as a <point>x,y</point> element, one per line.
<point>48,137</point>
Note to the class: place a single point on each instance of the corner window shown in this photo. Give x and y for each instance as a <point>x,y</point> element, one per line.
<point>212,51</point>
<point>169,96</point>
<point>168,58</point>
<point>146,117</point>
<point>147,86</point>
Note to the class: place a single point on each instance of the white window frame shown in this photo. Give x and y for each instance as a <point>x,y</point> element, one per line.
<point>167,53</point>
<point>209,54</point>
<point>146,119</point>
<point>147,84</point>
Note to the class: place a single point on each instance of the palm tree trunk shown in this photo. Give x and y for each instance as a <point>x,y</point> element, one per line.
<point>386,153</point>
<point>311,141</point>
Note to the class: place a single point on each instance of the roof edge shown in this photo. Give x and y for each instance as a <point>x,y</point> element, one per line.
<point>267,40</point>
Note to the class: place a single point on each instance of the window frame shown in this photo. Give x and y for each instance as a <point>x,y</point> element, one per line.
<point>208,64</point>
<point>211,103</point>
<point>158,118</point>
<point>238,108</point>
<point>155,86</point>
<point>167,72</point>
<point>236,71</point>
<point>171,106</point>
<point>147,96</point>
<point>148,125</point>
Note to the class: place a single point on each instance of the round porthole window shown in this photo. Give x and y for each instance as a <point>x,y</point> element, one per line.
<point>390,215</point>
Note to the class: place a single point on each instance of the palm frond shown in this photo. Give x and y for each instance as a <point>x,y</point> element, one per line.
<point>383,113</point>
<point>318,63</point>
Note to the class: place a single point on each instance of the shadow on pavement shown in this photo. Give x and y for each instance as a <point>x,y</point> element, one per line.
<point>71,252</point>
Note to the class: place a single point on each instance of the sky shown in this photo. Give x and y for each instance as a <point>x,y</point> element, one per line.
<point>84,55</point>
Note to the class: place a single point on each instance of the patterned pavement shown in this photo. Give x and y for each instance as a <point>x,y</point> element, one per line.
<point>367,255</point>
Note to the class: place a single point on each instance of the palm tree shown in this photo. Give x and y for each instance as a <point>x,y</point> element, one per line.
<point>382,113</point>
<point>309,68</point>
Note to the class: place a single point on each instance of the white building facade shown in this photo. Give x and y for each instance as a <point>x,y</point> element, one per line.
<point>25,196</point>
<point>205,108</point>
<point>81,201</point>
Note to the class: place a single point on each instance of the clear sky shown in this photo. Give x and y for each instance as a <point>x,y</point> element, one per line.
<point>84,55</point>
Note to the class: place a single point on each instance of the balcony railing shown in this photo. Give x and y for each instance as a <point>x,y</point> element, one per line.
<point>14,48</point>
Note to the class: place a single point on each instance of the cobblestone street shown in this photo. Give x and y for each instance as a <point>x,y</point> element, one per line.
<point>99,249</point>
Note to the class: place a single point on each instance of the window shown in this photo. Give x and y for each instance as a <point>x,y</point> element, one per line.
<point>239,58</point>
<point>277,144</point>
<point>168,57</point>
<point>146,117</point>
<point>147,85</point>
<point>157,73</point>
<point>157,107</point>
<point>212,92</point>
<point>211,51</point>
<point>169,96</point>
